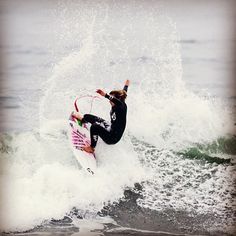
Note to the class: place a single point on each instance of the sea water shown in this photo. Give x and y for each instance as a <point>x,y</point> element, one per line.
<point>174,169</point>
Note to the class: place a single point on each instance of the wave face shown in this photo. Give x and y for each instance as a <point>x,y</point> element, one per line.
<point>42,180</point>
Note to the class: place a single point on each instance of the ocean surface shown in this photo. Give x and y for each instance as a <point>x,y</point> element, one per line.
<point>173,172</point>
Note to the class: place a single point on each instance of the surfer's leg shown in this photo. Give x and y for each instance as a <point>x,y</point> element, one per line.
<point>92,119</point>
<point>99,130</point>
<point>94,131</point>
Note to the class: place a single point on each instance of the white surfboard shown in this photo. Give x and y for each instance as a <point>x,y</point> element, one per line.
<point>79,138</point>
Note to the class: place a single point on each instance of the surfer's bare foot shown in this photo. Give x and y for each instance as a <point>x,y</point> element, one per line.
<point>77,115</point>
<point>88,149</point>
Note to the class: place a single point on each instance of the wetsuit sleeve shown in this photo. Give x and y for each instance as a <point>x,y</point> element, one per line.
<point>113,99</point>
<point>125,88</point>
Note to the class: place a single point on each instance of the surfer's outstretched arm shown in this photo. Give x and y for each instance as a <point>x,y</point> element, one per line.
<point>126,86</point>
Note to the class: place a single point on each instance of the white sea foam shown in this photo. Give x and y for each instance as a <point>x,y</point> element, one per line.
<point>49,184</point>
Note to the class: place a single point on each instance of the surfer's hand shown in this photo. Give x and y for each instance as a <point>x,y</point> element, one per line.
<point>127,82</point>
<point>102,93</point>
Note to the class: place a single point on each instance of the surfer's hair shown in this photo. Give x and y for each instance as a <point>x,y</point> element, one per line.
<point>120,94</point>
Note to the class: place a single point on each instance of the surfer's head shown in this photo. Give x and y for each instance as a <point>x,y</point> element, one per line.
<point>119,94</point>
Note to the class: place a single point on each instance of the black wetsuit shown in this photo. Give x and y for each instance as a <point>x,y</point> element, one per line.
<point>109,133</point>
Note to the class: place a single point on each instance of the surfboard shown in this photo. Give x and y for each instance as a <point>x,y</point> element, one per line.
<point>79,137</point>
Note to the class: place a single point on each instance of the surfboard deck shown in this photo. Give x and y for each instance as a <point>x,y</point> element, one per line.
<point>79,138</point>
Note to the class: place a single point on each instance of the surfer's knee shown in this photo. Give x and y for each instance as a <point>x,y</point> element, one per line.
<point>85,118</point>
<point>95,128</point>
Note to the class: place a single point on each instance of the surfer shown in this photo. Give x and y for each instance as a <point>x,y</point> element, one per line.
<point>111,132</point>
